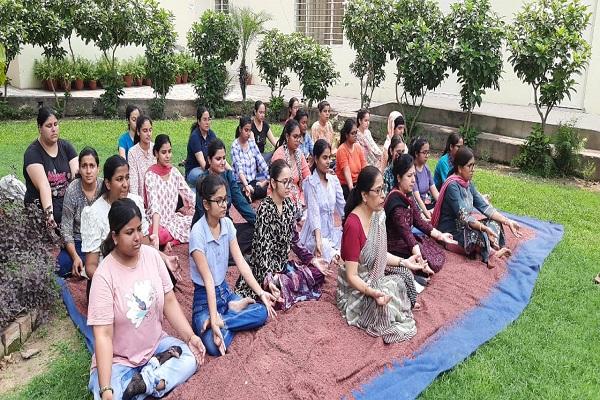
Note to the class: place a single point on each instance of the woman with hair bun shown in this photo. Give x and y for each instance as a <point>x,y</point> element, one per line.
<point>402,213</point>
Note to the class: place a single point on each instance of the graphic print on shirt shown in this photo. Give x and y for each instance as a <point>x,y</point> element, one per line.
<point>140,301</point>
<point>59,181</point>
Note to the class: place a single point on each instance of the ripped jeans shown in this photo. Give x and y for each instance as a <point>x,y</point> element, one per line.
<point>174,372</point>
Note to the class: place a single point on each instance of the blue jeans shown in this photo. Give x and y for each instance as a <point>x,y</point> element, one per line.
<point>174,372</point>
<point>193,176</point>
<point>64,260</point>
<point>251,317</point>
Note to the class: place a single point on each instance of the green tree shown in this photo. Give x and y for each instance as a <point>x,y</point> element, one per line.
<point>476,33</point>
<point>547,50</point>
<point>214,41</point>
<point>314,66</point>
<point>161,65</point>
<point>421,49</point>
<point>2,65</point>
<point>111,24</point>
<point>273,61</point>
<point>367,27</point>
<point>249,25</point>
<point>12,33</point>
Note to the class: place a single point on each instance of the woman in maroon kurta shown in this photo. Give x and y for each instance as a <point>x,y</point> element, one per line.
<point>402,213</point>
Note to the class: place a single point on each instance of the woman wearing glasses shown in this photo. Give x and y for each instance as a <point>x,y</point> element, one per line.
<point>375,289</point>
<point>350,158</point>
<point>455,212</point>
<point>288,149</point>
<point>289,281</point>
<point>425,192</point>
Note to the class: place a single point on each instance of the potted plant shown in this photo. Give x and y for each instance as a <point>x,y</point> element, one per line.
<point>139,70</point>
<point>41,72</point>
<point>92,76</point>
<point>80,72</point>
<point>127,71</point>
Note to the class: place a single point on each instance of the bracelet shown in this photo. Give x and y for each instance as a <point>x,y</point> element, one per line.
<point>106,389</point>
<point>400,262</point>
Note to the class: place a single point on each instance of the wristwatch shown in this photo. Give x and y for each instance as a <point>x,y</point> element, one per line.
<point>105,389</point>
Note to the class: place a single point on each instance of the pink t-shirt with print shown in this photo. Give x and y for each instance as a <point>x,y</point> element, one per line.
<point>132,300</point>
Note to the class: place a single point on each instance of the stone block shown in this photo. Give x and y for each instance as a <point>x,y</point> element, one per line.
<point>25,326</point>
<point>11,337</point>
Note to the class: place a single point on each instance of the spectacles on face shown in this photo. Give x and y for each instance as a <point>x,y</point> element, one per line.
<point>221,202</point>
<point>286,182</point>
<point>426,152</point>
<point>377,191</point>
<point>471,165</point>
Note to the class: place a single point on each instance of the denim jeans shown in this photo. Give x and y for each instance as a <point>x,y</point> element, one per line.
<point>193,176</point>
<point>64,260</point>
<point>174,372</point>
<point>251,317</point>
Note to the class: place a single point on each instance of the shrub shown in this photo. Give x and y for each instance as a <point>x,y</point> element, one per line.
<point>8,112</point>
<point>535,156</point>
<point>214,42</point>
<point>567,148</point>
<point>276,106</point>
<point>469,135</point>
<point>27,262</point>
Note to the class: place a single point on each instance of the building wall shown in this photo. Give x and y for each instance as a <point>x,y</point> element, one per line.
<point>512,90</point>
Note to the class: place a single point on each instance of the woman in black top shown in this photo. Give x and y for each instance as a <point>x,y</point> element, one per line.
<point>262,130</point>
<point>49,165</point>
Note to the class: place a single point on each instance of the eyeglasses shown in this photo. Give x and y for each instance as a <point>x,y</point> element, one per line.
<point>471,166</point>
<point>377,191</point>
<point>426,152</point>
<point>222,202</point>
<point>286,182</point>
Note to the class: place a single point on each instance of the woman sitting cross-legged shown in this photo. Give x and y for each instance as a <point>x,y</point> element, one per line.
<point>163,187</point>
<point>217,166</point>
<point>375,289</point>
<point>395,149</point>
<point>248,163</point>
<point>131,294</point>
<point>288,149</point>
<point>402,213</point>
<point>444,166</point>
<point>218,313</point>
<point>82,192</point>
<point>141,155</point>
<point>274,235</point>
<point>424,190</point>
<point>350,157</point>
<point>306,144</point>
<point>324,196</point>
<point>132,112</point>
<point>457,208</point>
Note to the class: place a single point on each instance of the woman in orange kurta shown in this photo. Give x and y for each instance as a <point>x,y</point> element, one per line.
<point>350,158</point>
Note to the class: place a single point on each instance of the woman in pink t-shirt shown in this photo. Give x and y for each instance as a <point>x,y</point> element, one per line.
<point>131,293</point>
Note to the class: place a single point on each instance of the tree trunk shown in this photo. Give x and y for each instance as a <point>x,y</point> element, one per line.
<point>243,74</point>
<point>71,50</point>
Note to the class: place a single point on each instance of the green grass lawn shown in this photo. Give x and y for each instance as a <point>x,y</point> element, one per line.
<point>551,352</point>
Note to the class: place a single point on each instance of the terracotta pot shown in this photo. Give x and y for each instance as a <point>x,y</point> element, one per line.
<point>128,79</point>
<point>178,79</point>
<point>92,84</point>
<point>147,81</point>
<point>184,77</point>
<point>248,79</point>
<point>45,84</point>
<point>138,81</point>
<point>79,84</point>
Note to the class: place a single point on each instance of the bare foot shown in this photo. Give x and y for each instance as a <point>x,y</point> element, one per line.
<point>417,307</point>
<point>239,305</point>
<point>168,247</point>
<point>275,291</point>
<point>505,251</point>
<point>173,351</point>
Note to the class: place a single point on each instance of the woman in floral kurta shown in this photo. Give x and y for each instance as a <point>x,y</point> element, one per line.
<point>274,235</point>
<point>163,186</point>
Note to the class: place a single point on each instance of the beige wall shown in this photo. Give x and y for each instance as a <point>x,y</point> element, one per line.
<point>512,90</point>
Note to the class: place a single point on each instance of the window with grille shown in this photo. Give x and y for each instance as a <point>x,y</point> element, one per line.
<point>222,6</point>
<point>321,19</point>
